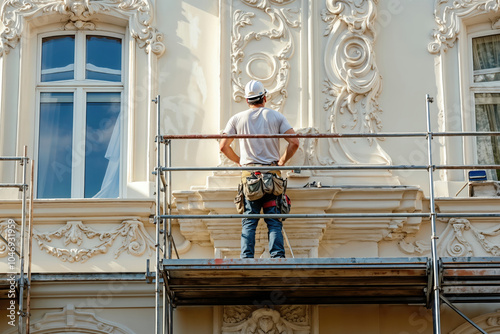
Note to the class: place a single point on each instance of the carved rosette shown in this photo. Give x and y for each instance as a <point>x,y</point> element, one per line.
<point>277,30</point>
<point>353,82</point>
<point>252,320</point>
<point>135,241</point>
<point>448,15</point>
<point>81,15</point>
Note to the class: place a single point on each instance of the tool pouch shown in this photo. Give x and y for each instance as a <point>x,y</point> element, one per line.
<point>267,183</point>
<point>239,200</point>
<point>273,184</point>
<point>253,187</point>
<point>285,204</point>
<point>279,185</point>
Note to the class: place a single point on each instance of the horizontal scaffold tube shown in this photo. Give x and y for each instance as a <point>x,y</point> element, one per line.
<point>298,215</point>
<point>332,167</point>
<point>333,215</point>
<point>13,158</point>
<point>296,168</point>
<point>336,135</point>
<point>12,185</point>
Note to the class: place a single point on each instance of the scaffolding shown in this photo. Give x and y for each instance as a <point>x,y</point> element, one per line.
<point>430,280</point>
<point>16,283</point>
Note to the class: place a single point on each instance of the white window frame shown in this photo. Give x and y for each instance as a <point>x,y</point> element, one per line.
<point>80,87</point>
<point>469,87</point>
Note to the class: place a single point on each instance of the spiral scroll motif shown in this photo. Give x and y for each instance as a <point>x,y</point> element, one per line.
<point>276,64</point>
<point>353,83</point>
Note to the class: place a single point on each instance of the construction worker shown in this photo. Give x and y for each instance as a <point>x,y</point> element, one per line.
<point>260,152</point>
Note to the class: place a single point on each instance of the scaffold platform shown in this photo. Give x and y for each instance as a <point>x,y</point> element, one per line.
<point>328,280</point>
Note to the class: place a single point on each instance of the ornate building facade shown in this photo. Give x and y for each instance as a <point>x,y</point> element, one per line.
<point>77,81</point>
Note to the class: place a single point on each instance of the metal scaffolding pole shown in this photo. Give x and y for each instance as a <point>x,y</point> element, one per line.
<point>23,320</point>
<point>337,135</point>
<point>22,314</point>
<point>436,315</point>
<point>157,221</point>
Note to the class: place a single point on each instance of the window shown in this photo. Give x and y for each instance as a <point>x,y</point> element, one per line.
<point>80,89</point>
<point>486,96</point>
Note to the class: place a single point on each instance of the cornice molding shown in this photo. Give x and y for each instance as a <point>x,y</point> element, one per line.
<point>449,14</point>
<point>81,14</point>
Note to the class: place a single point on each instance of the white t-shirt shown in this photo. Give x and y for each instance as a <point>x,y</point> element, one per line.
<point>258,121</point>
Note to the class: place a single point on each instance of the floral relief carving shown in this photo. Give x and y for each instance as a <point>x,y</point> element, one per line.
<point>81,14</point>
<point>8,229</point>
<point>454,242</point>
<point>71,319</point>
<point>266,321</point>
<point>353,83</point>
<point>282,21</point>
<point>448,15</point>
<point>135,240</point>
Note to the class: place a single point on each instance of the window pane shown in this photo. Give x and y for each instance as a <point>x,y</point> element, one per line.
<point>488,119</point>
<point>104,58</point>
<point>58,58</point>
<point>486,58</point>
<point>102,145</point>
<point>55,145</point>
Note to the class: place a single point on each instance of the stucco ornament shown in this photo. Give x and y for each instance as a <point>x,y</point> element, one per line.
<point>449,14</point>
<point>135,240</point>
<point>72,320</point>
<point>353,83</point>
<point>489,322</point>
<point>8,229</point>
<point>81,15</point>
<point>265,321</point>
<point>457,240</point>
<point>277,76</point>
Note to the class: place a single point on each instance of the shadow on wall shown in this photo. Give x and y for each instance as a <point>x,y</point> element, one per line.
<point>183,82</point>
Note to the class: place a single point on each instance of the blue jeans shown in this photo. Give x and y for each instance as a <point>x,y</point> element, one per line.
<point>274,226</point>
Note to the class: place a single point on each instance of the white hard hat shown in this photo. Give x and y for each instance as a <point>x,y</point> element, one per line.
<point>254,89</point>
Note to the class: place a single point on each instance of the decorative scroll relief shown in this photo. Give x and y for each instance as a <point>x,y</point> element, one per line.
<point>308,152</point>
<point>489,323</point>
<point>81,14</point>
<point>457,240</point>
<point>11,231</point>
<point>353,83</point>
<point>271,67</point>
<point>135,240</point>
<point>71,320</point>
<point>281,320</point>
<point>449,14</point>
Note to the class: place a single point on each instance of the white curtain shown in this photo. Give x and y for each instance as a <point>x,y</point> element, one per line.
<point>110,187</point>
<point>486,59</point>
